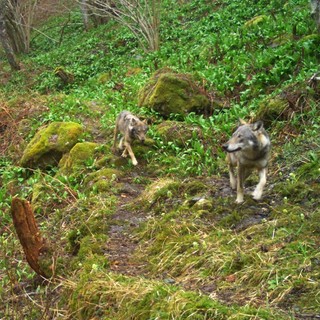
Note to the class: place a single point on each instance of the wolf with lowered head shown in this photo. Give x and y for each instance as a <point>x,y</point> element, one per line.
<point>131,128</point>
<point>248,149</point>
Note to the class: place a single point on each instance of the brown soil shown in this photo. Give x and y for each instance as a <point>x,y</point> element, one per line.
<point>122,244</point>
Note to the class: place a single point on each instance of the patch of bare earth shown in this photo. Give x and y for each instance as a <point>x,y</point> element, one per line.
<point>122,243</point>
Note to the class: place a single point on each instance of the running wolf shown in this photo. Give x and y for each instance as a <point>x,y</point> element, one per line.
<point>131,127</point>
<point>248,149</point>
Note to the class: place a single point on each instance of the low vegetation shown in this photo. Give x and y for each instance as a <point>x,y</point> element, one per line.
<point>165,239</point>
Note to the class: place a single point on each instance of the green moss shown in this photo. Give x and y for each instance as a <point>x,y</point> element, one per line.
<point>171,93</point>
<point>89,217</point>
<point>271,109</point>
<point>103,179</point>
<point>81,157</point>
<point>99,295</point>
<point>165,194</point>
<point>203,204</point>
<point>92,245</point>
<point>155,190</point>
<point>50,143</point>
<point>141,149</point>
<point>93,226</point>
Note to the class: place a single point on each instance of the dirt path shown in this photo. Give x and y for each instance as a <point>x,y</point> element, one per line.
<point>122,244</point>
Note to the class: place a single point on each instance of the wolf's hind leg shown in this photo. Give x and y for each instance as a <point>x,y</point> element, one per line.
<point>115,135</point>
<point>121,143</point>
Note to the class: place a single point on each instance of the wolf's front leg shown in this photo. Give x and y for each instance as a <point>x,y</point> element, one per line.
<point>257,193</point>
<point>124,153</point>
<point>233,180</point>
<point>129,150</point>
<point>240,184</point>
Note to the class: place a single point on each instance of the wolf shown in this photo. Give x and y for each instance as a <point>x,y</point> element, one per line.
<point>248,149</point>
<point>131,127</point>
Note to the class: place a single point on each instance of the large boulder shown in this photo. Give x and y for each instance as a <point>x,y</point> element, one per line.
<point>168,93</point>
<point>50,143</point>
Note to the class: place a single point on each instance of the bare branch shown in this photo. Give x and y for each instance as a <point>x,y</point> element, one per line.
<point>141,17</point>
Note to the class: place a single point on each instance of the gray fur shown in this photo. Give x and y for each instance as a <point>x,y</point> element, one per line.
<point>131,128</point>
<point>248,149</point>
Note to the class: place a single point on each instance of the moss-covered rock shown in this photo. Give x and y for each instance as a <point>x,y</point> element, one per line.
<point>156,188</point>
<point>165,194</point>
<point>103,179</point>
<point>168,93</point>
<point>271,109</point>
<point>203,204</point>
<point>177,132</point>
<point>50,143</point>
<point>80,157</point>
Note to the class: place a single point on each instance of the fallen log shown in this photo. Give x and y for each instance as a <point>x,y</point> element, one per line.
<point>34,246</point>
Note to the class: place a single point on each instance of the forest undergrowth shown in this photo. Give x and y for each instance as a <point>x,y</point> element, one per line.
<point>165,239</point>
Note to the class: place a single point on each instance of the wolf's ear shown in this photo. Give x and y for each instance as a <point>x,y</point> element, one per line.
<point>257,126</point>
<point>133,121</point>
<point>242,121</point>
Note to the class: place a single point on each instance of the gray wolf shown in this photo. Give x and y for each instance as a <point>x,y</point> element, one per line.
<point>132,128</point>
<point>248,149</point>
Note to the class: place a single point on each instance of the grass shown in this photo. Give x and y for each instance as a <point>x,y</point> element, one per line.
<point>208,259</point>
<point>143,299</point>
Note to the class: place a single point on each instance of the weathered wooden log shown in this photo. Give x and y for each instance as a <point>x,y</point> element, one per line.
<point>29,235</point>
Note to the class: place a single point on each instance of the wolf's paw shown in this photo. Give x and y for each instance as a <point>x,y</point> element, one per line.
<point>239,200</point>
<point>124,155</point>
<point>134,162</point>
<point>256,195</point>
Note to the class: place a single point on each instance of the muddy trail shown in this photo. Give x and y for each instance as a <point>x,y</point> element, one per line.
<point>122,243</point>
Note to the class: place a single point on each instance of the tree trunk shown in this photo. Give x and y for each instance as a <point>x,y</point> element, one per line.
<point>29,235</point>
<point>315,12</point>
<point>85,14</point>
<point>4,40</point>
